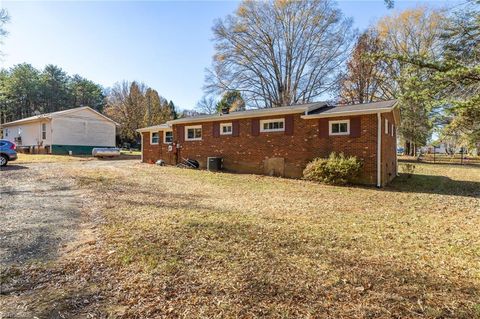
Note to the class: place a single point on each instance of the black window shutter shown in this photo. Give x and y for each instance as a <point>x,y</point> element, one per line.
<point>323,128</point>
<point>289,125</point>
<point>180,133</point>
<point>235,128</point>
<point>355,127</point>
<point>216,129</point>
<point>255,127</point>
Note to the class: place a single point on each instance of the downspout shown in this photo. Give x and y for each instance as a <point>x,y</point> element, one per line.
<point>141,146</point>
<point>379,150</point>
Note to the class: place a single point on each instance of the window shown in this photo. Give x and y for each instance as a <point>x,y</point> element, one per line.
<point>386,126</point>
<point>276,125</point>
<point>226,129</point>
<point>44,131</point>
<point>168,137</point>
<point>6,132</point>
<point>193,133</point>
<point>154,137</point>
<point>339,127</point>
<point>393,128</point>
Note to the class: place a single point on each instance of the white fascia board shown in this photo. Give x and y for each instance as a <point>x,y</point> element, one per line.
<point>232,116</point>
<point>25,121</point>
<point>154,129</point>
<point>347,113</point>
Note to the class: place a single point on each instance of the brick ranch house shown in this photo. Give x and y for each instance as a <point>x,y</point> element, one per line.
<point>281,141</point>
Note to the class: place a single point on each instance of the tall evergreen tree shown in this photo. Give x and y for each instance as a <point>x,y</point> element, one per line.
<point>84,92</point>
<point>25,91</point>
<point>22,91</point>
<point>54,89</point>
<point>231,101</point>
<point>173,111</point>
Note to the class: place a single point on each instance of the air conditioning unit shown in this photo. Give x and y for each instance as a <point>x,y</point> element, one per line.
<point>214,164</point>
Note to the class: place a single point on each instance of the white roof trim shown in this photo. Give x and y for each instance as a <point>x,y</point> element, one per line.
<point>348,113</point>
<point>237,115</point>
<point>155,128</point>
<point>49,116</point>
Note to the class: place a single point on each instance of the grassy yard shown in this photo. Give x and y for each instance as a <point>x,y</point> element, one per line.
<point>186,243</point>
<point>50,158</point>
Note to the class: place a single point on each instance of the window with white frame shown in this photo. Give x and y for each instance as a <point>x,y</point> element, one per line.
<point>44,131</point>
<point>193,133</point>
<point>341,127</point>
<point>386,126</point>
<point>393,128</point>
<point>6,132</point>
<point>275,125</point>
<point>154,137</point>
<point>226,128</point>
<point>168,137</point>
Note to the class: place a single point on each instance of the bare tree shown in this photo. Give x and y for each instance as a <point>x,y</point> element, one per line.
<point>411,33</point>
<point>280,53</point>
<point>207,105</point>
<point>126,105</point>
<point>363,82</point>
<point>4,19</point>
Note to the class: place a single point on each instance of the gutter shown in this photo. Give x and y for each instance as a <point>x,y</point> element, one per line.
<point>379,150</point>
<point>347,113</point>
<point>141,148</point>
<point>23,121</point>
<point>233,116</point>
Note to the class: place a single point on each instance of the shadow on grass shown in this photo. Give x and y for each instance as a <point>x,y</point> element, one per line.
<point>434,184</point>
<point>123,157</point>
<point>12,168</point>
<point>440,162</point>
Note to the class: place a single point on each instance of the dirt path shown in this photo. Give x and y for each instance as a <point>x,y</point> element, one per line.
<point>48,229</point>
<point>40,212</point>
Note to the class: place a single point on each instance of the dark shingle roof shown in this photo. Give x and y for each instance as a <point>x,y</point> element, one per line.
<point>334,109</point>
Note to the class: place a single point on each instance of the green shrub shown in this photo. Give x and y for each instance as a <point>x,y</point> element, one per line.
<point>336,169</point>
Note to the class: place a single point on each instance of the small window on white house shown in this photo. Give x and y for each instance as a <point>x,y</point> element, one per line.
<point>44,131</point>
<point>154,137</point>
<point>339,127</point>
<point>6,132</point>
<point>276,125</point>
<point>226,129</point>
<point>168,137</point>
<point>193,133</point>
<point>386,126</point>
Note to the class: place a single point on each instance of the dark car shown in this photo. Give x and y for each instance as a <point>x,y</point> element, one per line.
<point>7,152</point>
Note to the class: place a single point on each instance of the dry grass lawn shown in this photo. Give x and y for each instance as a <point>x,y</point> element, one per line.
<point>186,243</point>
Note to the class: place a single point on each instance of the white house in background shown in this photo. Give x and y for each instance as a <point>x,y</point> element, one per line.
<point>75,130</point>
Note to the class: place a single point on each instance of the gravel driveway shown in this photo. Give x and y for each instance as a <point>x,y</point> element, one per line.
<point>39,211</point>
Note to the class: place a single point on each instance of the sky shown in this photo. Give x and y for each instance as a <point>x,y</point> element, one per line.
<point>165,44</point>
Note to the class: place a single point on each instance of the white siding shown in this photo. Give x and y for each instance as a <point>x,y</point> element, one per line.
<point>31,133</point>
<point>83,128</point>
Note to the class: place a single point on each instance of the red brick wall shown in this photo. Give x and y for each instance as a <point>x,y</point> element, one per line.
<point>246,153</point>
<point>152,153</point>
<point>389,149</point>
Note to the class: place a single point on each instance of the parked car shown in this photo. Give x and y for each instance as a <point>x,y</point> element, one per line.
<point>7,152</point>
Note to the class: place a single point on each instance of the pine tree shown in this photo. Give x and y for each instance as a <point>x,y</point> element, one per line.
<point>231,101</point>
<point>173,111</point>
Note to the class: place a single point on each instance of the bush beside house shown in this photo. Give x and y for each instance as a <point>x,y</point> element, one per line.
<point>336,169</point>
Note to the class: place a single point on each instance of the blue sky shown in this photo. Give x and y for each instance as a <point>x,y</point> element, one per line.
<point>166,45</point>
